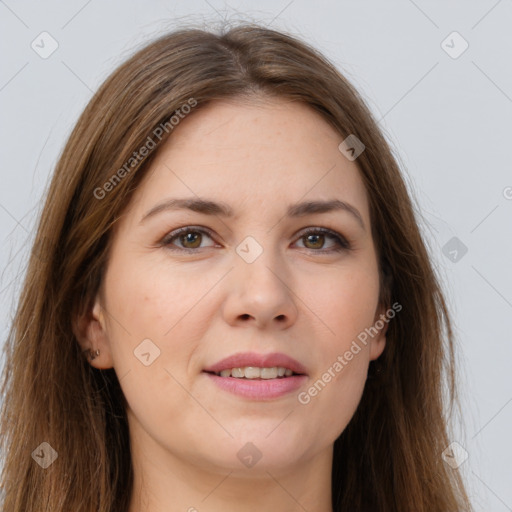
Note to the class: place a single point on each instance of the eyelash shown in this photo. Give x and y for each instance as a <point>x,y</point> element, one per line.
<point>342,243</point>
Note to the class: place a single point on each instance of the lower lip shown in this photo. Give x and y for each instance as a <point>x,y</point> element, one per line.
<point>263,389</point>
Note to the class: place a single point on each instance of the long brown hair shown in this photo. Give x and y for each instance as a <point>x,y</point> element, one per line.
<point>389,456</point>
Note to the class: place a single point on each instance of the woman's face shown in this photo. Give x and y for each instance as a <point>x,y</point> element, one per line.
<point>263,280</point>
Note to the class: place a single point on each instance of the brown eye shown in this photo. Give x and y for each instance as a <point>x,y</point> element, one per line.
<point>192,237</point>
<point>315,240</point>
<point>187,238</point>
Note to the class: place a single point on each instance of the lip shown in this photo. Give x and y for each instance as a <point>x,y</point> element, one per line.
<point>260,360</point>
<point>267,389</point>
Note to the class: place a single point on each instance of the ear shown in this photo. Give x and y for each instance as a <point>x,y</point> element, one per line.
<point>91,334</point>
<point>378,342</point>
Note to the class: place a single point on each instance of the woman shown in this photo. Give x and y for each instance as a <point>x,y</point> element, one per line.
<point>229,303</point>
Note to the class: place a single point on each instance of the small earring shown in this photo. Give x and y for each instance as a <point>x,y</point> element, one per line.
<point>92,354</point>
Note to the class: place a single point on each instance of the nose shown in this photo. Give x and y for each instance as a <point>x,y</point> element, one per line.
<point>260,293</point>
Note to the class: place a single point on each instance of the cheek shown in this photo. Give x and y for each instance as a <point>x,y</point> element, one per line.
<point>154,300</point>
<point>346,305</point>
<point>152,337</point>
<point>333,394</point>
<point>339,397</point>
<point>158,311</point>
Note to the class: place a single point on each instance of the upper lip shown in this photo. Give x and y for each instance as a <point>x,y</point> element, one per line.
<point>241,360</point>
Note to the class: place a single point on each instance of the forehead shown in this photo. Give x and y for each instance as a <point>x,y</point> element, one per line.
<point>263,154</point>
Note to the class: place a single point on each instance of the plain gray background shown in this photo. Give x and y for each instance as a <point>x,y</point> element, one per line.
<point>447,114</point>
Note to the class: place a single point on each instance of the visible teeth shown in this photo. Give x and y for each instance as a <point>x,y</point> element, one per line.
<point>237,372</point>
<point>253,372</point>
<point>268,373</point>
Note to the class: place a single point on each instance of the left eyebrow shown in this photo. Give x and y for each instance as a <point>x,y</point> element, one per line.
<point>209,207</point>
<point>310,207</point>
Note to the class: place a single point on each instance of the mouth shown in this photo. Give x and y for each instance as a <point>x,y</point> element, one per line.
<point>251,365</point>
<point>256,373</point>
<point>258,376</point>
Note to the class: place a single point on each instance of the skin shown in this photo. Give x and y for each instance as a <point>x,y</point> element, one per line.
<point>258,156</point>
